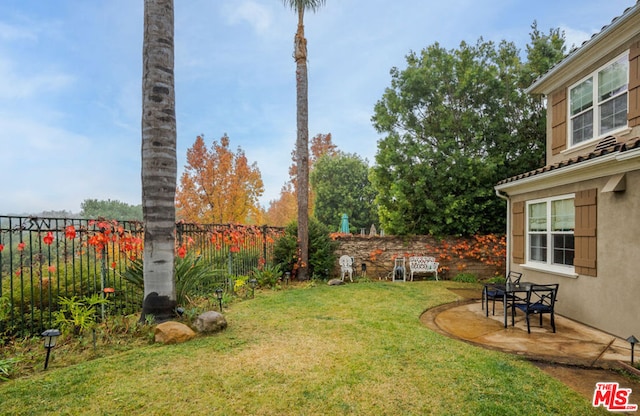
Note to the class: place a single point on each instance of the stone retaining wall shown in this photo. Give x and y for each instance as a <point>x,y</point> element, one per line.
<point>378,254</point>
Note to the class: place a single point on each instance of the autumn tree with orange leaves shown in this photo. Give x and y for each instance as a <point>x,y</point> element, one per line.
<point>219,186</point>
<point>284,209</point>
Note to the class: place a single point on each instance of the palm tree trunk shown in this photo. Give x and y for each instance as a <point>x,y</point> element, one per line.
<point>159,164</point>
<point>302,146</point>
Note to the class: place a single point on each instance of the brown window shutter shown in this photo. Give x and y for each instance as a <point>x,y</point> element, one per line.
<point>558,121</point>
<point>518,232</point>
<point>633,114</point>
<point>586,232</point>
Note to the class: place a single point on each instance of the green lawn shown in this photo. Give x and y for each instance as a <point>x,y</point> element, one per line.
<point>356,349</point>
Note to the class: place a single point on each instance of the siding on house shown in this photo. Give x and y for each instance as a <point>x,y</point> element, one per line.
<point>558,110</point>
<point>602,288</point>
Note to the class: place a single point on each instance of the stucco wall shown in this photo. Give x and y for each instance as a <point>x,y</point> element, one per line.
<point>609,301</point>
<point>378,254</point>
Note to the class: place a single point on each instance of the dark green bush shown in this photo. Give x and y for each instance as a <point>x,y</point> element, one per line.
<point>322,258</point>
<point>466,278</point>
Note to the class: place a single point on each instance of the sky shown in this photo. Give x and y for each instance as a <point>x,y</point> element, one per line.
<point>71,76</point>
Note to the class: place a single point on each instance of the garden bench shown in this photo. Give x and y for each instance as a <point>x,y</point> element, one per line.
<point>423,264</point>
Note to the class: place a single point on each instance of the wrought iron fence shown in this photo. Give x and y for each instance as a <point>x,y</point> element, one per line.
<point>43,259</point>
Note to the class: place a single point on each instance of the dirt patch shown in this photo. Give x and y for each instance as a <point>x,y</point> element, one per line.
<point>583,380</point>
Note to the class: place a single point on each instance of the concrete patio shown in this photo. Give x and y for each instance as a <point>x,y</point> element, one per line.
<point>572,344</point>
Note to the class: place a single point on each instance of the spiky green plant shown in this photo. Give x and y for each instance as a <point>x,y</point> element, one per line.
<point>191,274</point>
<point>78,314</point>
<point>267,276</point>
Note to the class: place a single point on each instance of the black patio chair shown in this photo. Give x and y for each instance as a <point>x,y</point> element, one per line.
<point>495,291</point>
<point>540,299</point>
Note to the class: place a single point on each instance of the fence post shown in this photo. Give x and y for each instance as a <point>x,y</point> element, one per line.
<point>264,243</point>
<point>103,277</point>
<point>179,231</point>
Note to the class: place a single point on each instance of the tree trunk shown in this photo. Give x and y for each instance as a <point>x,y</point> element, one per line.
<point>159,164</point>
<point>302,147</point>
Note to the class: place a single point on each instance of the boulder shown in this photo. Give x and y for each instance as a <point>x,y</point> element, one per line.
<point>172,332</point>
<point>210,321</point>
<point>335,282</point>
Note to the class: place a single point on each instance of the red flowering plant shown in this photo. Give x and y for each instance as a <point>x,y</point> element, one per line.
<point>90,256</point>
<point>112,233</point>
<point>48,240</point>
<point>114,246</point>
<point>20,247</point>
<point>489,250</point>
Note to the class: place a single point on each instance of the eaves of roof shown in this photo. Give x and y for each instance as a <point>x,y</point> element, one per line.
<point>618,150</point>
<point>623,23</point>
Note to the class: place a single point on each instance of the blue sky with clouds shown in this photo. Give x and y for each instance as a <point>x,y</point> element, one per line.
<point>70,80</point>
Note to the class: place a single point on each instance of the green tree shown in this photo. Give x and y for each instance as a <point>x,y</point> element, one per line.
<point>112,210</point>
<point>159,162</point>
<point>341,186</point>
<point>322,258</point>
<point>302,117</point>
<point>457,122</point>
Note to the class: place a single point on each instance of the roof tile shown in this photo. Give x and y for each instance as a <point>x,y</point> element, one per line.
<point>613,148</point>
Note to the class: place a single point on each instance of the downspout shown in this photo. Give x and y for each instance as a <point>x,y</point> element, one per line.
<point>505,196</point>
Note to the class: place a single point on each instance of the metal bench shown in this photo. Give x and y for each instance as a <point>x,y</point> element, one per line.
<point>423,264</point>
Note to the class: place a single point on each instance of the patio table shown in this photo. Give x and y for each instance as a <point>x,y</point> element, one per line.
<point>511,292</point>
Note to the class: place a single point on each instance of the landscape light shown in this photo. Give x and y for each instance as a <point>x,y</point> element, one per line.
<point>50,338</point>
<point>632,340</point>
<point>219,297</point>
<point>253,283</point>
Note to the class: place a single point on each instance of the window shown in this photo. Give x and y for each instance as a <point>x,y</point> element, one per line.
<point>598,104</point>
<point>550,227</point>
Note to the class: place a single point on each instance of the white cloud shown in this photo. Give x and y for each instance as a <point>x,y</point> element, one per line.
<point>12,32</point>
<point>70,76</point>
<point>51,168</point>
<point>574,37</point>
<point>256,15</point>
<point>19,84</point>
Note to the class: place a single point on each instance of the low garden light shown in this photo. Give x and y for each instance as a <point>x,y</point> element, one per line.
<point>287,276</point>
<point>363,269</point>
<point>633,341</point>
<point>253,283</point>
<point>219,297</point>
<point>50,339</point>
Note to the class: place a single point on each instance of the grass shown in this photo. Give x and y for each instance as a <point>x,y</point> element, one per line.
<point>319,350</point>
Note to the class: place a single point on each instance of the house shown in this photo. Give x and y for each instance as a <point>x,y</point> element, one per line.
<point>576,221</point>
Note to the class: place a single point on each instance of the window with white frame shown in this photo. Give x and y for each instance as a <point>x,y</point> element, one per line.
<point>598,104</point>
<point>550,227</point>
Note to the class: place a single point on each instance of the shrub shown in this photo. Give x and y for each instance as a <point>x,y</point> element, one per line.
<point>466,278</point>
<point>322,249</point>
<point>495,279</point>
<point>267,276</point>
<point>78,315</point>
